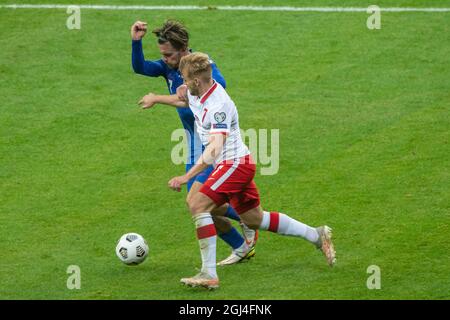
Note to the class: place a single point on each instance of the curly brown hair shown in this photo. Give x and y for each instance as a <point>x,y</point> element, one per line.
<point>174,32</point>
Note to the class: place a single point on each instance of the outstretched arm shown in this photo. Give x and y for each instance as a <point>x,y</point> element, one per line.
<point>151,99</point>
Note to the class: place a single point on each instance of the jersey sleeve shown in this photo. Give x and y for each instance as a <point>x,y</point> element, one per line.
<point>217,75</point>
<point>220,120</point>
<point>141,66</point>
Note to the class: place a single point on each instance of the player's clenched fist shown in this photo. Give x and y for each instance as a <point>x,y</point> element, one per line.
<point>176,183</point>
<point>147,101</point>
<point>182,92</point>
<point>138,30</point>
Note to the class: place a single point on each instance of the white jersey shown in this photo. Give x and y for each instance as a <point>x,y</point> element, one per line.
<point>216,113</point>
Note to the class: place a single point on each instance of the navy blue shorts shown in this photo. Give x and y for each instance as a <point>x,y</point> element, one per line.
<point>201,177</point>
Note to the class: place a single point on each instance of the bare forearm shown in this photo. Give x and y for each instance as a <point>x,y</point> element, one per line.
<point>211,153</point>
<point>149,100</point>
<point>196,169</point>
<point>208,156</point>
<point>171,100</point>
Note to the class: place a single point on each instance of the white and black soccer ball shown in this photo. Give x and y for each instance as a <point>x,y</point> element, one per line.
<point>132,249</point>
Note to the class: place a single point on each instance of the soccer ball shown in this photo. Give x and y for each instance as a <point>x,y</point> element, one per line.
<point>132,249</point>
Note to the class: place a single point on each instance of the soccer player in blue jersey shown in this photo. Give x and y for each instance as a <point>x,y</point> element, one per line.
<point>173,43</point>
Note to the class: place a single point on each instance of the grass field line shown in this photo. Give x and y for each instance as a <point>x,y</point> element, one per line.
<point>223,8</point>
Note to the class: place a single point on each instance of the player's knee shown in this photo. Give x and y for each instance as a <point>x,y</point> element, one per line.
<point>191,205</point>
<point>195,206</point>
<point>188,199</point>
<point>191,202</point>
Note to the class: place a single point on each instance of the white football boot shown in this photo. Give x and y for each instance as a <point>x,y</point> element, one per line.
<point>201,279</point>
<point>326,245</point>
<point>250,235</point>
<point>236,257</point>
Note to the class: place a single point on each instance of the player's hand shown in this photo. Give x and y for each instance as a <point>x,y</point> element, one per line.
<point>147,101</point>
<point>138,30</point>
<point>176,183</point>
<point>182,92</point>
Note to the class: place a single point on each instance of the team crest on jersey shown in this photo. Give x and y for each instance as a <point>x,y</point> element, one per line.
<point>220,116</point>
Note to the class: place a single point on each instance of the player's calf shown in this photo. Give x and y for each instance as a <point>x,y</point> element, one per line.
<point>283,224</point>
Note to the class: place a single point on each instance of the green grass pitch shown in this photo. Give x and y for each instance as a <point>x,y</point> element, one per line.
<point>364,147</point>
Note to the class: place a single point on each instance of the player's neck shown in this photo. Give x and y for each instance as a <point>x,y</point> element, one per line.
<point>185,52</point>
<point>204,87</point>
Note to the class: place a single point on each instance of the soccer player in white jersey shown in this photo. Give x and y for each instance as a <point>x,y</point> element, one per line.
<point>173,43</point>
<point>217,123</point>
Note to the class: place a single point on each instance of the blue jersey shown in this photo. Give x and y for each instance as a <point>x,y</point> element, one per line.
<point>173,78</point>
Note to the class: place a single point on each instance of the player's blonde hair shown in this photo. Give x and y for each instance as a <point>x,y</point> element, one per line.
<point>196,64</point>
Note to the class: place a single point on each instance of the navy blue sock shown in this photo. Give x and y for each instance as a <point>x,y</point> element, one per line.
<point>232,214</point>
<point>233,238</point>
